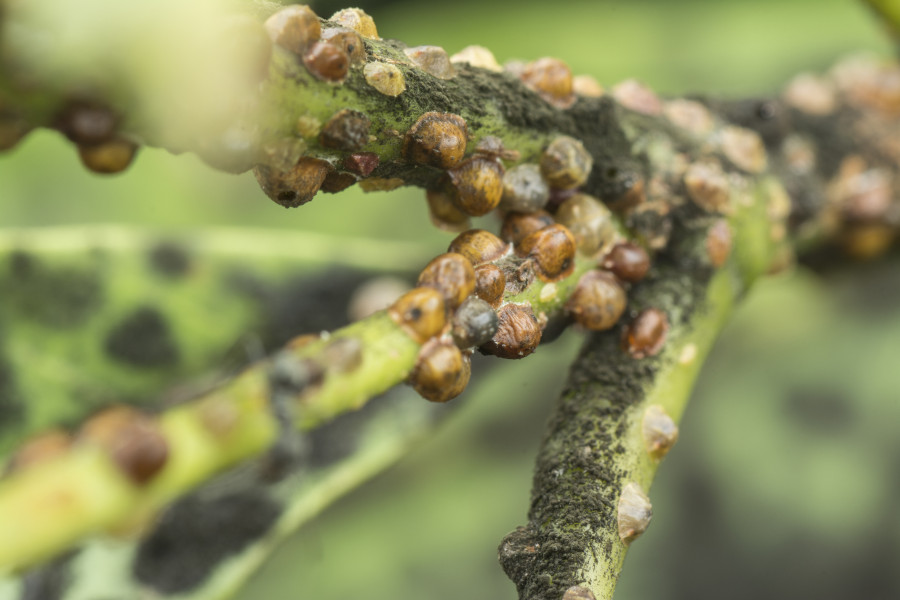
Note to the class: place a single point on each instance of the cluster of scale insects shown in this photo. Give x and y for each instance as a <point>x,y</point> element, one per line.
<point>460,301</point>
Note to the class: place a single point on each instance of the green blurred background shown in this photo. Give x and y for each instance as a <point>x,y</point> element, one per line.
<point>786,480</point>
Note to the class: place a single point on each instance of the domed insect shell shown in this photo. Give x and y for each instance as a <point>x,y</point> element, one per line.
<point>566,163</point>
<point>452,275</point>
<point>551,78</point>
<point>358,20</point>
<point>436,139</point>
<point>385,78</point>
<point>634,512</point>
<point>479,246</point>
<point>296,186</point>
<point>646,335</point>
<point>490,283</point>
<point>132,440</point>
<point>87,123</point>
<point>431,59</point>
<point>474,324</point>
<point>420,312</point>
<point>518,333</point>
<point>39,449</point>
<point>477,56</point>
<point>441,372</point>
<point>517,226</point>
<point>552,249</point>
<point>327,62</point>
<point>627,261</point>
<point>349,41</point>
<point>110,157</point>
<point>478,185</point>
<point>444,213</point>
<point>294,28</point>
<point>524,189</point>
<point>598,301</point>
<point>589,221</point>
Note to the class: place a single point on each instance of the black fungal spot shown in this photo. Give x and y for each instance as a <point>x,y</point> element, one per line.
<point>58,296</point>
<point>12,409</point>
<point>303,304</point>
<point>142,339</point>
<point>821,411</point>
<point>49,582</point>
<point>170,259</point>
<point>195,535</point>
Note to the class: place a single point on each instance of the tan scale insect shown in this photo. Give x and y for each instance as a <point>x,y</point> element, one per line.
<point>452,275</point>
<point>420,312</point>
<point>436,139</point>
<point>565,163</point>
<point>634,512</point>
<point>589,221</point>
<point>294,28</point>
<point>479,246</point>
<point>441,372</point>
<point>386,78</point>
<point>553,251</point>
<point>598,301</point>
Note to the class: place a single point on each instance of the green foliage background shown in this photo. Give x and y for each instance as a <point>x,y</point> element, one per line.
<point>785,479</point>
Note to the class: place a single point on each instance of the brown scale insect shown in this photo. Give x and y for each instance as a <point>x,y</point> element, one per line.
<point>420,312</point>
<point>659,430</point>
<point>629,262</point>
<point>361,163</point>
<point>431,59</point>
<point>349,41</point>
<point>551,78</point>
<point>634,512</point>
<point>444,213</point>
<point>718,243</point>
<point>565,163</point>
<point>634,95</point>
<point>518,333</point>
<point>442,371</point>
<point>587,86</point>
<point>40,449</point>
<point>479,246</point>
<point>327,62</point>
<point>517,226</point>
<point>707,186</point>
<point>589,221</point>
<point>597,302</point>
<point>553,251</point>
<point>744,148</point>
<point>385,78</point>
<point>108,158</point>
<point>294,28</point>
<point>133,441</point>
<point>87,123</point>
<point>477,56</point>
<point>358,20</point>
<point>436,139</point>
<point>478,184</point>
<point>296,186</point>
<point>490,283</point>
<point>346,130</point>
<point>646,335</point>
<point>491,146</point>
<point>524,189</point>
<point>474,324</point>
<point>452,275</point>
<point>577,592</point>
